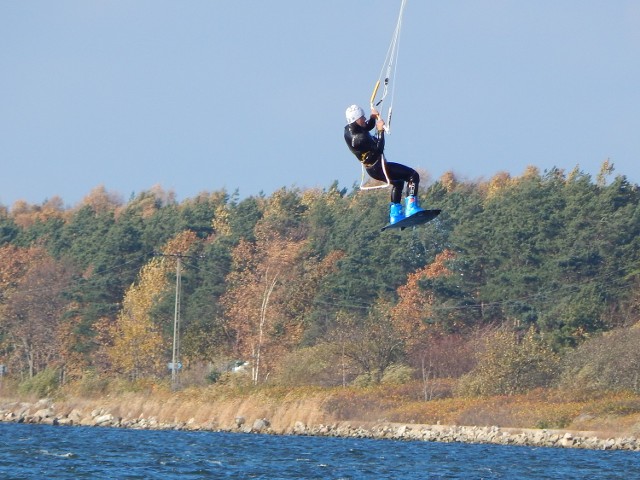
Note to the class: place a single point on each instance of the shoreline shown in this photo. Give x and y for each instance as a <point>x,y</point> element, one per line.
<point>48,412</point>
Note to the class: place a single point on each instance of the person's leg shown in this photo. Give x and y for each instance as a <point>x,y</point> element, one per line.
<point>412,178</point>
<point>397,184</point>
<point>401,173</point>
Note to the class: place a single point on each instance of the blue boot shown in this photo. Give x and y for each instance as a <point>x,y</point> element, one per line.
<point>412,206</point>
<point>395,213</point>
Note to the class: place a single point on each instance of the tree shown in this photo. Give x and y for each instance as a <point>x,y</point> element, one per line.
<point>137,349</point>
<point>33,306</point>
<point>415,305</point>
<point>371,342</point>
<point>432,342</point>
<point>205,336</point>
<point>8,228</point>
<point>255,301</point>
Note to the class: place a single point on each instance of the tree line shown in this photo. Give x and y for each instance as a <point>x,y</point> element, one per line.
<point>510,288</point>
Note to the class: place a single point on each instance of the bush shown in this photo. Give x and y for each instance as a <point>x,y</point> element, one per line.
<point>316,365</point>
<point>607,363</point>
<point>397,375</point>
<point>445,356</point>
<point>90,384</point>
<point>43,384</point>
<point>508,366</point>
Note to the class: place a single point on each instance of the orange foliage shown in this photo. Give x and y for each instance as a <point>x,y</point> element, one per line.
<point>101,201</point>
<point>14,262</point>
<point>180,243</point>
<point>32,306</point>
<point>414,303</point>
<point>26,215</point>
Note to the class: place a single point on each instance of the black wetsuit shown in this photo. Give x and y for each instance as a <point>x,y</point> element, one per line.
<point>368,150</point>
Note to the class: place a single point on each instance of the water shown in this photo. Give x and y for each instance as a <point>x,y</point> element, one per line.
<point>46,452</point>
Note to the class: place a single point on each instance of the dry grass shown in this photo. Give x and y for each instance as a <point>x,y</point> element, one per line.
<point>613,414</point>
<point>550,409</point>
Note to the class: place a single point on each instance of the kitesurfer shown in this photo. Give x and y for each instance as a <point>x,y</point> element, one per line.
<point>369,151</point>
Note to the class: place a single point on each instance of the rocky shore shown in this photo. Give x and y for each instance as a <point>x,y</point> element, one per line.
<point>49,413</point>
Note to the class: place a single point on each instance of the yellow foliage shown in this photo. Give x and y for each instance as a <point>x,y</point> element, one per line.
<point>449,181</point>
<point>311,196</point>
<point>573,174</point>
<point>220,222</point>
<point>606,169</point>
<point>137,341</point>
<point>498,183</point>
<point>531,172</point>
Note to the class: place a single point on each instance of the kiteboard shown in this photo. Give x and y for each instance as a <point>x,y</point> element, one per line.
<point>418,218</point>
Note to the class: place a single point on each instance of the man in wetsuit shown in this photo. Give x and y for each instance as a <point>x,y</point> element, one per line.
<point>368,150</point>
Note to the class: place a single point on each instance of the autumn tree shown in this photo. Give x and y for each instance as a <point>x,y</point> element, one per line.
<point>371,342</point>
<point>433,347</point>
<point>101,201</point>
<point>138,348</point>
<point>415,304</point>
<point>32,309</point>
<point>255,301</point>
<point>137,341</point>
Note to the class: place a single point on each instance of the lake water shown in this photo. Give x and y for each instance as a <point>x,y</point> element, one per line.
<point>47,452</point>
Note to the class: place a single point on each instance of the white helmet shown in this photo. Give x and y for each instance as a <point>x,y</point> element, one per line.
<point>353,113</point>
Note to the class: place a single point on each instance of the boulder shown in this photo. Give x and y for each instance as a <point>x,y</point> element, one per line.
<point>260,425</point>
<point>299,428</point>
<point>103,420</point>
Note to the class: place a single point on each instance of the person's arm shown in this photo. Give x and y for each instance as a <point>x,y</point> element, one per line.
<point>363,142</point>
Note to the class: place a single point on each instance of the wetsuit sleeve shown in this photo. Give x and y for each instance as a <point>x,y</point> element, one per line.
<point>371,123</point>
<point>377,142</point>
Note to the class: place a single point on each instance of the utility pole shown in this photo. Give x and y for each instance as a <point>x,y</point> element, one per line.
<point>175,366</point>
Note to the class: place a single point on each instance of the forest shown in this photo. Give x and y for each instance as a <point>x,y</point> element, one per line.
<point>521,283</point>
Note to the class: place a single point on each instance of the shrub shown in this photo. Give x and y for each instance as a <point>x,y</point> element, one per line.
<point>397,375</point>
<point>363,380</point>
<point>316,365</point>
<point>609,362</point>
<point>43,384</point>
<point>89,384</point>
<point>508,366</point>
<point>444,356</point>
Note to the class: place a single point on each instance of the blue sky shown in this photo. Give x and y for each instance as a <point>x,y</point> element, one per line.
<point>244,94</point>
